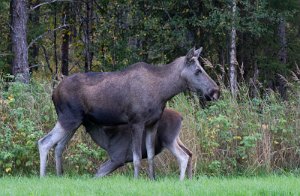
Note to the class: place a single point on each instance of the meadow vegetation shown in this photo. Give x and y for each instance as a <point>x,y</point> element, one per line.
<point>124,185</point>
<point>243,136</point>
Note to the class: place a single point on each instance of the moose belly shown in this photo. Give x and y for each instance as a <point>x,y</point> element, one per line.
<point>106,117</point>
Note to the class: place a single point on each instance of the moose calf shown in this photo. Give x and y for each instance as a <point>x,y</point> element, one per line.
<point>116,140</point>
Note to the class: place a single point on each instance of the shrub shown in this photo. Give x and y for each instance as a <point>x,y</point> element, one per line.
<point>244,135</point>
<point>27,114</point>
<point>26,111</point>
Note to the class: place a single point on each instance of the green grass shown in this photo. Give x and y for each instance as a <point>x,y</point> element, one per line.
<point>124,185</point>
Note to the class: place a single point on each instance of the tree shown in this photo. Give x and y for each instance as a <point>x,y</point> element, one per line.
<point>65,41</point>
<point>33,28</point>
<point>87,31</point>
<point>55,42</point>
<point>20,67</point>
<point>284,10</point>
<point>233,60</point>
<point>110,35</point>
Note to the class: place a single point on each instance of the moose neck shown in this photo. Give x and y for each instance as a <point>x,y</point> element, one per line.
<point>171,83</point>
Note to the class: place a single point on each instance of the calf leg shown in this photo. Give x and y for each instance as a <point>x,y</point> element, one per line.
<point>59,150</point>
<point>150,147</point>
<point>190,154</point>
<point>137,136</point>
<point>108,167</point>
<point>47,142</point>
<point>181,156</point>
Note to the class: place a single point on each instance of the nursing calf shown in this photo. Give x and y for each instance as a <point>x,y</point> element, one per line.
<point>117,142</point>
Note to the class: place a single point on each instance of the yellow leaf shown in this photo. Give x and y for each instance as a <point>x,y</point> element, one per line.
<point>7,170</point>
<point>237,137</point>
<point>10,97</point>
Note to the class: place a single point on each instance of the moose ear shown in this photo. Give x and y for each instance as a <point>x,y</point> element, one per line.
<point>198,52</point>
<point>190,54</point>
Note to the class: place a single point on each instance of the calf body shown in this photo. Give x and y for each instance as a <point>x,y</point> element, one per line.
<point>135,96</point>
<point>117,142</point>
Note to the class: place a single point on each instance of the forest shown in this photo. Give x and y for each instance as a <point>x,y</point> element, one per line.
<point>251,48</point>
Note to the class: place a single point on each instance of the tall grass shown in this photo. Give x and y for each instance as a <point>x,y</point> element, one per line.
<point>230,136</point>
<point>244,135</point>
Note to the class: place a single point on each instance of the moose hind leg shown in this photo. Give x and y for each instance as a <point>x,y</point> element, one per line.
<point>108,167</point>
<point>190,154</point>
<point>59,150</point>
<point>181,156</point>
<point>47,142</point>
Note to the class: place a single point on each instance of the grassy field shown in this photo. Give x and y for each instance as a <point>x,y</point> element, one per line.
<point>124,185</point>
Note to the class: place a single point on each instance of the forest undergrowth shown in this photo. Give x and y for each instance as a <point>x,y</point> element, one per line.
<point>243,136</point>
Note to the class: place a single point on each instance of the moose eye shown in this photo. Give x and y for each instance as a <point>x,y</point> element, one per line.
<point>198,71</point>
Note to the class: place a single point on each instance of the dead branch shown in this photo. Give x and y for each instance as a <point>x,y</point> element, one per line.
<point>47,58</point>
<point>46,3</point>
<point>6,54</point>
<point>45,33</point>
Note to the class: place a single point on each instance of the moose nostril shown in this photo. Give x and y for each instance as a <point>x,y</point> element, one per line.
<point>208,98</point>
<point>214,94</point>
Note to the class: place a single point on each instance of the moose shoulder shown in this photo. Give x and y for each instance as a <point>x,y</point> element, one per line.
<point>135,96</point>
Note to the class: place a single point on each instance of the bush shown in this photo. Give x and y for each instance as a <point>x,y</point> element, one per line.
<point>26,111</point>
<point>243,136</point>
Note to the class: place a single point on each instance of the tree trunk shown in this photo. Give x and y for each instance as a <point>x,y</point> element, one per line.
<point>282,39</point>
<point>87,33</point>
<point>282,55</point>
<point>222,60</point>
<point>20,67</point>
<point>34,50</point>
<point>254,84</point>
<point>233,61</point>
<point>55,44</point>
<point>65,42</point>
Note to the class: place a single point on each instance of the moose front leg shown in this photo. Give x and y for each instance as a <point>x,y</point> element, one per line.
<point>150,147</point>
<point>137,137</point>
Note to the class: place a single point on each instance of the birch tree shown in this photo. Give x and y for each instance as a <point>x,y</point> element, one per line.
<point>233,60</point>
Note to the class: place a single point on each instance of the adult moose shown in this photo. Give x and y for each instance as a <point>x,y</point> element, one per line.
<point>116,140</point>
<point>135,96</point>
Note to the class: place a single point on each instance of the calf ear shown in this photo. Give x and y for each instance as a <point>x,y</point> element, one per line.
<point>198,52</point>
<point>190,54</point>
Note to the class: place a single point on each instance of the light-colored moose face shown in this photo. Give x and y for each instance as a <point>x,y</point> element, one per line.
<point>196,78</point>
